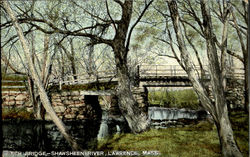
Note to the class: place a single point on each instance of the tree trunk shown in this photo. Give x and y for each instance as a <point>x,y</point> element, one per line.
<point>218,109</point>
<point>72,59</point>
<point>36,107</point>
<point>137,120</point>
<point>228,146</point>
<point>31,93</point>
<point>44,98</point>
<point>246,92</point>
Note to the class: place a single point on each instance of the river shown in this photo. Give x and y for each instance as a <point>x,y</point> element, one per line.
<point>34,135</point>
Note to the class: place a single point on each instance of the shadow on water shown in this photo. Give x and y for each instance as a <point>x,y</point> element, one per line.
<point>44,136</point>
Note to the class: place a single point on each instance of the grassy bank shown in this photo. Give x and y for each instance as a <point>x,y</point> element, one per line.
<point>14,77</point>
<point>199,140</point>
<point>185,98</point>
<point>16,113</point>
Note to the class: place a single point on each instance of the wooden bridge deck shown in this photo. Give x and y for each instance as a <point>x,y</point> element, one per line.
<point>158,74</point>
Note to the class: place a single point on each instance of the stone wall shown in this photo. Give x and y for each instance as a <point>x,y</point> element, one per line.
<point>141,96</point>
<point>74,105</point>
<point>235,93</point>
<point>80,105</point>
<point>16,99</point>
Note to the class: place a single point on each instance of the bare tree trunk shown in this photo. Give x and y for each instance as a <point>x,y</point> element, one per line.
<point>44,98</point>
<point>246,92</point>
<point>137,120</point>
<point>225,132</point>
<point>247,78</point>
<point>90,63</point>
<point>62,64</point>
<point>218,109</point>
<point>244,49</point>
<point>72,59</point>
<point>32,98</point>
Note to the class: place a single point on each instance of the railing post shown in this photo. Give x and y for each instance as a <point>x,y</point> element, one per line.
<point>171,72</point>
<point>174,69</point>
<point>138,71</point>
<point>156,70</point>
<point>137,76</point>
<point>60,83</point>
<point>73,79</point>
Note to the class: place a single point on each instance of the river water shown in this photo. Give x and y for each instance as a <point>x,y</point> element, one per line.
<point>34,135</point>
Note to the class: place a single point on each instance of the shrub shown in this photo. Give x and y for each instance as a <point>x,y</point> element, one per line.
<point>186,98</point>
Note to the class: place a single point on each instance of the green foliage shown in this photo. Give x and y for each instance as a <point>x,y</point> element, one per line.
<point>15,113</point>
<point>180,98</point>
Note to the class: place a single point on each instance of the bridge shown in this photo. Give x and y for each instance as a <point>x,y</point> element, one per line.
<point>147,76</point>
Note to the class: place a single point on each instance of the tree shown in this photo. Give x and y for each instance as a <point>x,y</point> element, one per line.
<point>237,25</point>
<point>218,106</point>
<point>119,40</point>
<point>37,80</point>
<point>241,29</point>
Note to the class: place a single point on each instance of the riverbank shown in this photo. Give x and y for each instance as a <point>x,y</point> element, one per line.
<point>194,140</point>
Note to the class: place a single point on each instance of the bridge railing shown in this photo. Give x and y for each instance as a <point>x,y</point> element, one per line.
<point>86,78</point>
<point>237,73</point>
<point>142,72</point>
<point>161,70</point>
<point>177,70</point>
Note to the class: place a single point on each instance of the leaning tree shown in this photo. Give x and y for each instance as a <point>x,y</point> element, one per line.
<point>37,80</point>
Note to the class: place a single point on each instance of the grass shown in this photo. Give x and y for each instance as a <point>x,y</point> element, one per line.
<point>169,142</point>
<point>200,140</point>
<point>240,124</point>
<point>14,113</point>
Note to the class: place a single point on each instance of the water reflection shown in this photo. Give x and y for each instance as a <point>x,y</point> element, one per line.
<point>44,136</point>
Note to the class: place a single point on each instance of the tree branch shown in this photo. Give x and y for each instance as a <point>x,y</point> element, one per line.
<point>119,2</point>
<point>8,64</point>
<point>70,33</point>
<point>106,2</point>
<point>136,22</point>
<point>235,55</point>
